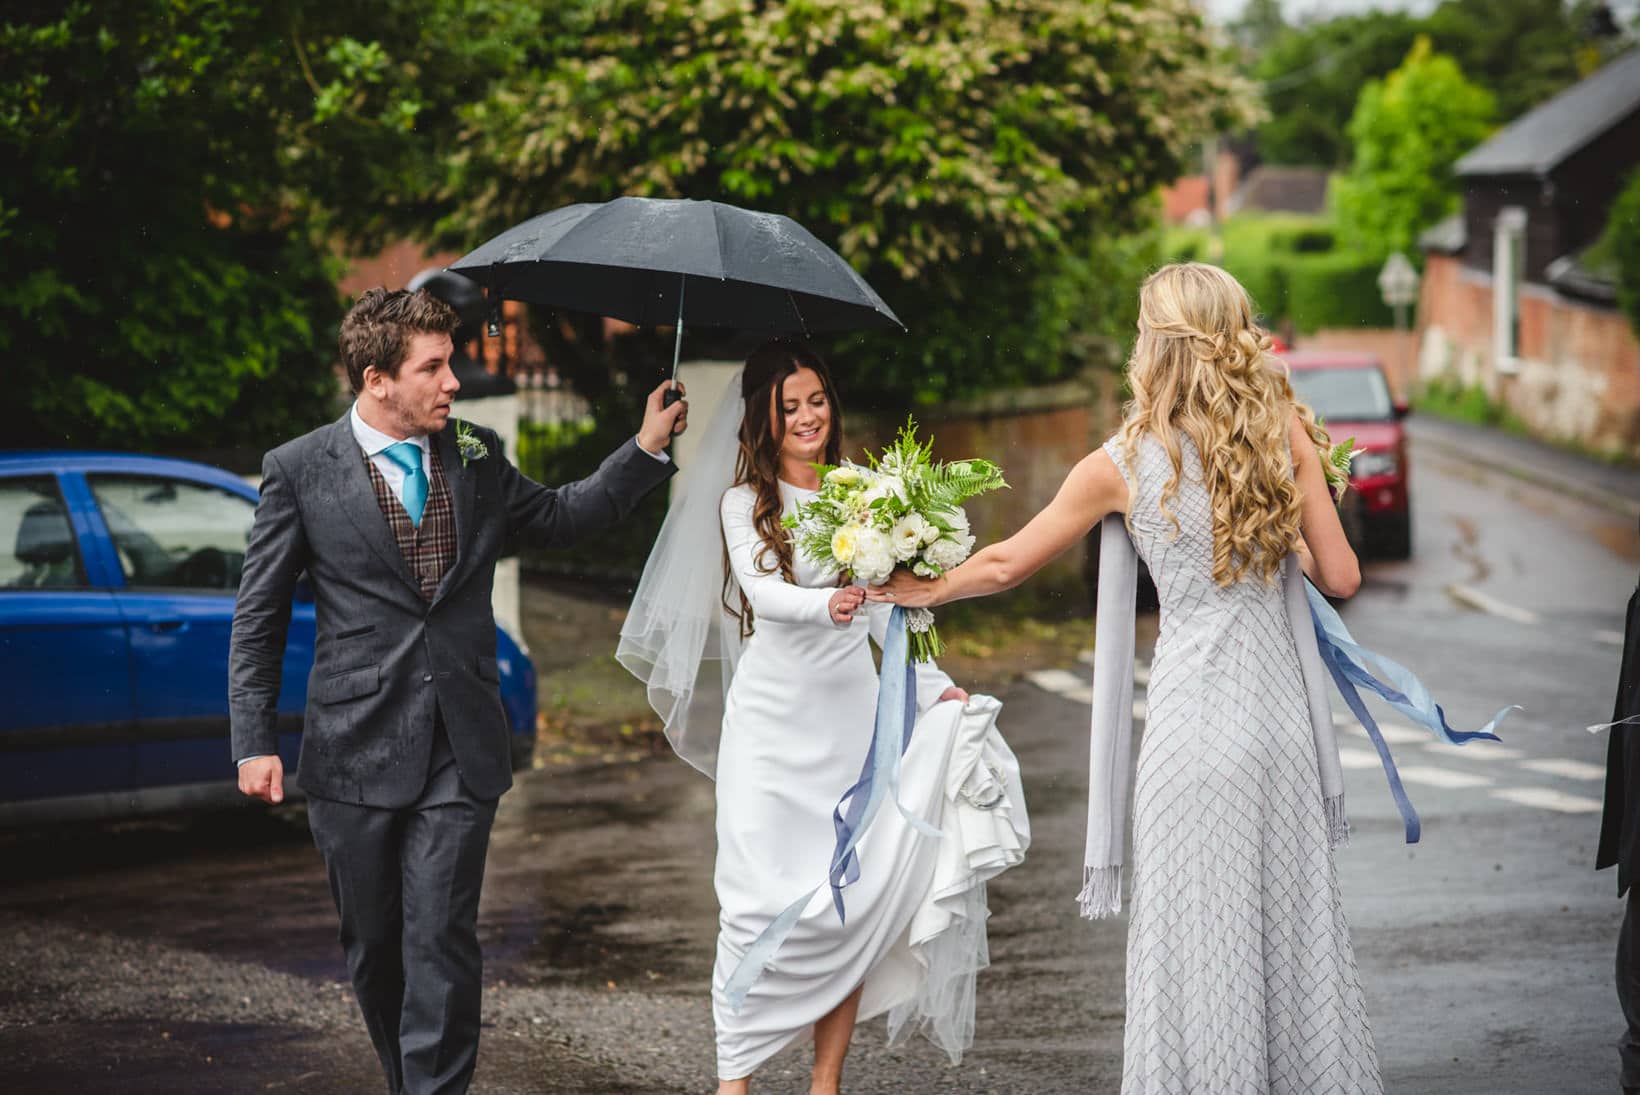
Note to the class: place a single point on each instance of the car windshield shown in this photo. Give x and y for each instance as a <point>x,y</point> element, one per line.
<point>1345,395</point>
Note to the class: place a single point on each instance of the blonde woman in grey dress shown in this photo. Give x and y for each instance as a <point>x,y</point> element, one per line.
<point>1240,975</point>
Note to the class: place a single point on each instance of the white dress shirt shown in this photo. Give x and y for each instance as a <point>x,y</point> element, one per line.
<point>375,444</point>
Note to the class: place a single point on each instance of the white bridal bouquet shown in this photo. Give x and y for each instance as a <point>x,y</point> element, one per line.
<point>903,510</point>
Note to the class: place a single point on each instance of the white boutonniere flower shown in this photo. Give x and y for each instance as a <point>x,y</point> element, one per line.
<point>468,443</point>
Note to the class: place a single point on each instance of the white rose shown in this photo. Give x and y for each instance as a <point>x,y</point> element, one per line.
<point>885,486</point>
<point>946,553</point>
<point>909,534</point>
<point>845,476</point>
<point>873,557</point>
<point>957,518</point>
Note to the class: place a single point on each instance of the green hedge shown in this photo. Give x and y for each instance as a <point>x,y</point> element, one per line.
<point>1335,290</point>
<point>1291,269</point>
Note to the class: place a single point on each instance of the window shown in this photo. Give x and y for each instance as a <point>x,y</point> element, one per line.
<point>1508,262</point>
<point>175,534</point>
<point>37,546</point>
<point>1345,395</point>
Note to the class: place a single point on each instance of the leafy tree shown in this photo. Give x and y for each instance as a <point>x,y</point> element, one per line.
<point>1259,24</point>
<point>1524,51</point>
<point>181,170</point>
<point>966,157</point>
<point>1621,247</point>
<point>1408,131</point>
<point>1312,77</point>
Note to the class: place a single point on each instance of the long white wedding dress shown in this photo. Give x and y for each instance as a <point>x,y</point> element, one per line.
<point>797,724</point>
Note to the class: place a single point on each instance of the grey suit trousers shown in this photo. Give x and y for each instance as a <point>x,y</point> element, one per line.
<point>406,883</point>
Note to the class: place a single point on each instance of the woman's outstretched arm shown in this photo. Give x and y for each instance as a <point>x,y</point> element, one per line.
<point>1323,550</point>
<point>1093,489</point>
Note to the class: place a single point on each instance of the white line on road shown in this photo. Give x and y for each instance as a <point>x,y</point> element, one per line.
<point>1442,777</point>
<point>1478,750</point>
<point>1356,758</point>
<point>1481,602</point>
<point>1544,799</point>
<point>1055,680</point>
<point>1394,733</point>
<point>1570,769</point>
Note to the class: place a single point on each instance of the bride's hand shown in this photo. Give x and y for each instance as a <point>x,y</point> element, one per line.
<point>905,589</point>
<point>954,693</point>
<point>844,603</point>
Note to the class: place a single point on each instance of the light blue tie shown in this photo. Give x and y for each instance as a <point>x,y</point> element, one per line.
<point>407,455</point>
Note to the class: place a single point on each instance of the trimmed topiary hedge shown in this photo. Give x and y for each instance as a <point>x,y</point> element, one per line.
<point>1339,289</point>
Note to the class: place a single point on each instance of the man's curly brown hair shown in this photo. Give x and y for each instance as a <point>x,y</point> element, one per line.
<point>378,328</point>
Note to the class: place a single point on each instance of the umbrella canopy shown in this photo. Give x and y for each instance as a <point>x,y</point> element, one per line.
<point>656,261</point>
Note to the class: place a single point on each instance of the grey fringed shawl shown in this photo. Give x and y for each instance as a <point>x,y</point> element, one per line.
<point>1111,745</point>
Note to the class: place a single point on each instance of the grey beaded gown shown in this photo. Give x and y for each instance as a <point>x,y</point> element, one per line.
<point>1240,975</point>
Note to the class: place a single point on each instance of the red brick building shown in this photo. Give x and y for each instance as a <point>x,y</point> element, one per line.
<point>1510,302</point>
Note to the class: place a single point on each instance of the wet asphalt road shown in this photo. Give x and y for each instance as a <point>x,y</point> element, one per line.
<point>198,955</point>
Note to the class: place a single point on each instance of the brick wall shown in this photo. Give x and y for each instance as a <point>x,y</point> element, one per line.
<point>1037,435</point>
<point>1578,374</point>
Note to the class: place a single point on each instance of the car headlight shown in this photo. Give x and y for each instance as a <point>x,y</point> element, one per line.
<point>1370,464</point>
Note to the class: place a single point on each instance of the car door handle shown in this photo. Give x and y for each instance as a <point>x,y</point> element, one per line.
<point>161,627</point>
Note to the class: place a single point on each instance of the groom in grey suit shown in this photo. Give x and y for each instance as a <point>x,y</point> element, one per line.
<point>405,748</point>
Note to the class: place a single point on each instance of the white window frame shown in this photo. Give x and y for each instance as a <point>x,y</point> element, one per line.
<point>1508,257</point>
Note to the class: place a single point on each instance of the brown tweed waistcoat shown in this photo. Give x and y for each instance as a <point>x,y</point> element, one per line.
<point>429,551</point>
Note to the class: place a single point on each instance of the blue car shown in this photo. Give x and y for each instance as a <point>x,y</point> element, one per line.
<point>117,582</point>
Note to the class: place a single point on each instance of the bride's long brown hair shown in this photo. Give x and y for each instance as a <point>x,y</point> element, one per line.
<point>762,430</point>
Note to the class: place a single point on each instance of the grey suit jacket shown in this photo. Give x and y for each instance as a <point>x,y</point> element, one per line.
<point>383,656</point>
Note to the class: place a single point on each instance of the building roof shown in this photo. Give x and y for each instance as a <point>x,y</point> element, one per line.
<point>1279,189</point>
<point>1445,237</point>
<point>1543,138</point>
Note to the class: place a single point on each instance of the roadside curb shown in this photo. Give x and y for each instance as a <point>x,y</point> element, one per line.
<point>1599,496</point>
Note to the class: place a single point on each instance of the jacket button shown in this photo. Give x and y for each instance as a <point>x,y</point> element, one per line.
<point>427,678</point>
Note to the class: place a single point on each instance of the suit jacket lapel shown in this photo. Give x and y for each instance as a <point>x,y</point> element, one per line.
<point>356,497</point>
<point>460,480</point>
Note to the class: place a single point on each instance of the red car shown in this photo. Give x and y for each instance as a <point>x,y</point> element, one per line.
<point>1350,393</point>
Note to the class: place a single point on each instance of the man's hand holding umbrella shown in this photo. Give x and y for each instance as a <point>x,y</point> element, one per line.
<point>662,421</point>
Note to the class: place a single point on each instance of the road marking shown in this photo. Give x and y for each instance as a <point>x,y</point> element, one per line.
<point>1058,681</point>
<point>1394,733</point>
<point>1443,777</point>
<point>1545,799</point>
<point>1356,758</point>
<point>1479,750</point>
<point>1141,671</point>
<point>1474,598</point>
<point>1570,769</point>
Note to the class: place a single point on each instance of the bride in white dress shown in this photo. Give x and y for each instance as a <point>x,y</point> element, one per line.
<point>797,722</point>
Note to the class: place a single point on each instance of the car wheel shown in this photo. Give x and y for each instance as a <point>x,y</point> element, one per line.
<point>1352,517</point>
<point>1392,536</point>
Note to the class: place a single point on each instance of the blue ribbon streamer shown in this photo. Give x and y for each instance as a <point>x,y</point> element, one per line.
<point>1345,659</point>
<point>856,809</point>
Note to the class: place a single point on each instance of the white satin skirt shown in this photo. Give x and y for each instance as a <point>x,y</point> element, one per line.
<point>914,936</point>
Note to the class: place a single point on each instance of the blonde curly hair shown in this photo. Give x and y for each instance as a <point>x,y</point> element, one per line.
<point>1202,367</point>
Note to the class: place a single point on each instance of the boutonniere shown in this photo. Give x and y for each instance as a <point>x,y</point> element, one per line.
<point>468,443</point>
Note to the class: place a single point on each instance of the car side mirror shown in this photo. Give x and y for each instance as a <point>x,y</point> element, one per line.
<point>1402,410</point>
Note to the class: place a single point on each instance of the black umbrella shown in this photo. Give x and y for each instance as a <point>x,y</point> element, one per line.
<point>653,261</point>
